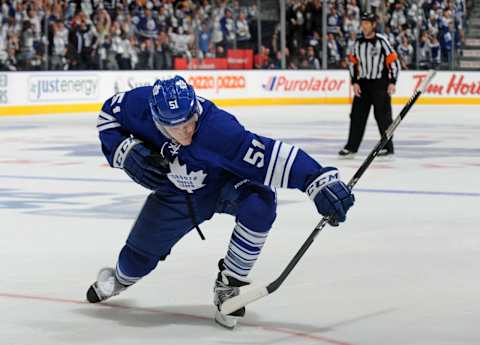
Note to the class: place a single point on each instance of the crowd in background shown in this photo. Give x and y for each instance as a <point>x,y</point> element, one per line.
<point>431,29</point>
<point>149,34</point>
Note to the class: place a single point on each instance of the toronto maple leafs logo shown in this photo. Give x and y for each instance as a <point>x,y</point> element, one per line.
<point>183,180</point>
<point>174,148</point>
<point>181,84</point>
<point>156,89</point>
<point>170,149</point>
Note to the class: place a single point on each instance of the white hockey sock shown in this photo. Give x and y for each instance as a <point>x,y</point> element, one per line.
<point>123,278</point>
<point>244,249</point>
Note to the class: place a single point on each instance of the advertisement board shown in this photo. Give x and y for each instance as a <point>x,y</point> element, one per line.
<point>67,92</point>
<point>63,87</point>
<point>3,88</point>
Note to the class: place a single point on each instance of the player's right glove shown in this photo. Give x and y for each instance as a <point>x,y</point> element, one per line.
<point>331,196</point>
<point>145,167</point>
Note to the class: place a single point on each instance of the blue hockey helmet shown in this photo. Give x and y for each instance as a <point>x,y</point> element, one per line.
<point>173,102</point>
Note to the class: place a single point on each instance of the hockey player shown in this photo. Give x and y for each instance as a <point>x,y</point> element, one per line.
<point>198,160</point>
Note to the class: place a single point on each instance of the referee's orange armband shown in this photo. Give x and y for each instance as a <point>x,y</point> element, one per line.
<point>353,59</point>
<point>392,57</point>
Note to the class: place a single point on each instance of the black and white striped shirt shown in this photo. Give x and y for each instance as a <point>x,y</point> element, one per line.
<point>373,58</point>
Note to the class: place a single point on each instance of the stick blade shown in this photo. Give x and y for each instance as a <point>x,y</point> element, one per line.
<point>244,298</point>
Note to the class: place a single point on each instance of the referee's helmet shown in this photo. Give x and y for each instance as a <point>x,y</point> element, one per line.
<point>369,17</point>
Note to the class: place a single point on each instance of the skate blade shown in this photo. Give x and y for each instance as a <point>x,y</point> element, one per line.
<point>92,294</point>
<point>228,322</point>
<point>347,157</point>
<point>386,159</point>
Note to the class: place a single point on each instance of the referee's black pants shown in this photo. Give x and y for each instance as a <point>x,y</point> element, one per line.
<point>374,92</point>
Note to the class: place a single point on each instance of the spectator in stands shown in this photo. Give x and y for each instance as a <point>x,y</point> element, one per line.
<point>128,56</point>
<point>351,24</point>
<point>83,40</point>
<point>204,40</point>
<point>26,47</point>
<point>13,47</point>
<point>390,36</point>
<point>350,43</point>
<point>333,52</point>
<point>295,22</point>
<point>34,19</point>
<point>301,60</point>
<point>127,26</point>
<point>432,24</point>
<point>147,27</point>
<point>57,14</point>
<point>276,63</point>
<point>163,57</point>
<point>334,21</point>
<point>182,43</point>
<point>227,25</point>
<point>447,43</point>
<point>145,55</point>
<point>262,60</point>
<point>398,18</point>
<point>436,54</point>
<point>27,25</point>
<point>314,15</point>
<point>315,41</point>
<point>217,34</point>
<point>425,52</point>
<point>354,12</point>
<point>220,52</point>
<point>112,51</point>
<point>242,31</point>
<point>7,60</point>
<point>59,46</point>
<point>405,53</point>
<point>374,6</point>
<point>312,60</point>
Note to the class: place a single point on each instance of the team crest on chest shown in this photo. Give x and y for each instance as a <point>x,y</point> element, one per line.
<point>183,180</point>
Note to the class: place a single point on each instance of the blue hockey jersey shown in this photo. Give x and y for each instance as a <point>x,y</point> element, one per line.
<point>221,148</point>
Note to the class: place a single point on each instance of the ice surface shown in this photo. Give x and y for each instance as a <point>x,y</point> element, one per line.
<point>403,270</point>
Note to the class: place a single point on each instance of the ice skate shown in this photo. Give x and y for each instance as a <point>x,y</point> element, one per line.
<point>385,155</point>
<point>227,286</point>
<point>346,154</point>
<point>105,287</point>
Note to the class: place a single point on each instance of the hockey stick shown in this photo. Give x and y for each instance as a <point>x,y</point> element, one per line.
<point>251,295</point>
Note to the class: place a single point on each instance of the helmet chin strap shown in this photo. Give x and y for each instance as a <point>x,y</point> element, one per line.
<point>164,131</point>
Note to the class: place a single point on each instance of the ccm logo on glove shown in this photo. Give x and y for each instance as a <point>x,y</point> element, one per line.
<point>331,196</point>
<point>321,181</point>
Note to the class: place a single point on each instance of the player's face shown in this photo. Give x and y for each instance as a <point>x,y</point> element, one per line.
<point>367,27</point>
<point>183,133</point>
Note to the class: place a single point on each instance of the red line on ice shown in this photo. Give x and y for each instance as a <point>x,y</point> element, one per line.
<point>266,328</point>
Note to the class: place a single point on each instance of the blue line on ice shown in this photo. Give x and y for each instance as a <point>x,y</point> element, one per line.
<point>415,192</point>
<point>361,190</point>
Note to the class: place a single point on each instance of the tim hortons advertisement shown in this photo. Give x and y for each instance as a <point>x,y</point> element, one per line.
<point>62,87</point>
<point>455,84</point>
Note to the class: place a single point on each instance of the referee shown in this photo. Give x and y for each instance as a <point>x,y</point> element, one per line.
<point>374,68</point>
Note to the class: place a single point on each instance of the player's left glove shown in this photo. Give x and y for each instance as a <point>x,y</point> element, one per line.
<point>331,196</point>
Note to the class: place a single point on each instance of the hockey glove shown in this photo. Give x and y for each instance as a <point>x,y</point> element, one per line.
<point>331,196</point>
<point>145,167</point>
